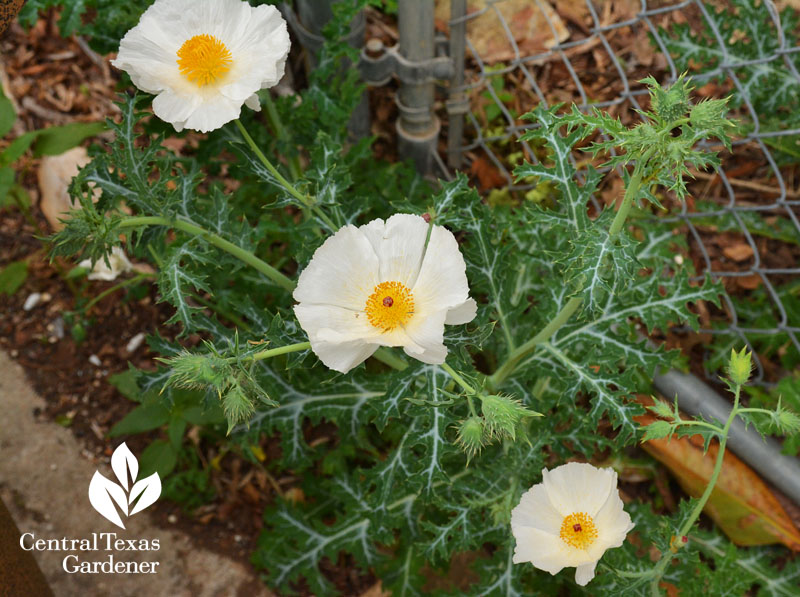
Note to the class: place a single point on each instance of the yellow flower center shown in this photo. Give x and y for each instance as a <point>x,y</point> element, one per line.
<point>204,59</point>
<point>390,305</point>
<point>578,530</point>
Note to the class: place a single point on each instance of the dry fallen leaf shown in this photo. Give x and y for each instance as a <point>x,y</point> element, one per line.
<point>488,175</point>
<point>534,26</point>
<point>738,252</point>
<point>741,504</point>
<point>750,282</point>
<point>55,174</point>
<point>376,590</point>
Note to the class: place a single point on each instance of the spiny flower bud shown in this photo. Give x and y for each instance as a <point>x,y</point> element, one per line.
<point>740,366</point>
<point>470,436</point>
<point>502,415</point>
<point>193,370</point>
<point>673,103</point>
<point>788,422</point>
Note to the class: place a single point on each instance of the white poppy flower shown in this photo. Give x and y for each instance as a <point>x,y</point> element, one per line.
<point>381,285</point>
<point>120,264</point>
<point>203,59</point>
<point>570,519</point>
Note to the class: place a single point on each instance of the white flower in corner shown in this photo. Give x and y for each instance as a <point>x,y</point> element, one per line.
<point>381,285</point>
<point>120,264</point>
<point>570,519</point>
<point>203,59</point>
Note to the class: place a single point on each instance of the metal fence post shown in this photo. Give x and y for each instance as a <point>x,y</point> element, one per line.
<point>312,16</point>
<point>457,101</point>
<point>417,128</point>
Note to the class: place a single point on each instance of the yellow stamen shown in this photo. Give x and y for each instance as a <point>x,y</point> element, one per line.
<point>578,530</point>
<point>204,59</point>
<point>390,305</point>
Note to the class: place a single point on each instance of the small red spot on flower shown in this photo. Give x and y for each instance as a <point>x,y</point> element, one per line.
<point>388,301</point>
<point>426,217</point>
<point>577,528</point>
<point>685,539</point>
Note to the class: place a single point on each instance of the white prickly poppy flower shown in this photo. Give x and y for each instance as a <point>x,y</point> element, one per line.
<point>203,59</point>
<point>381,285</point>
<point>570,519</point>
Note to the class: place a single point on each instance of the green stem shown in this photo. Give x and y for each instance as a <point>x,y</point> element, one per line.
<point>471,405</point>
<point>701,424</point>
<point>459,380</point>
<point>214,239</point>
<point>280,133</point>
<point>387,357</point>
<point>717,467</point>
<point>508,367</point>
<point>113,289</point>
<point>630,194</point>
<point>684,530</point>
<point>760,411</point>
<point>306,201</point>
<point>274,352</point>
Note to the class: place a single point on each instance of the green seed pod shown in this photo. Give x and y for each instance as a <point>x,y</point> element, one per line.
<point>470,436</point>
<point>740,366</point>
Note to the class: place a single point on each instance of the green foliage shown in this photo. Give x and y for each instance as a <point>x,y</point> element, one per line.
<point>415,462</point>
<point>745,40</point>
<point>13,276</point>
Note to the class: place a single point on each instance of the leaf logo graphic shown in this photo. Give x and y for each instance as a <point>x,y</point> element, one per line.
<point>105,494</point>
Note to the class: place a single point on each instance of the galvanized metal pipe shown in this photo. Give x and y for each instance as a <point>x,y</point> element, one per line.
<point>417,128</point>
<point>313,15</point>
<point>697,398</point>
<point>457,102</point>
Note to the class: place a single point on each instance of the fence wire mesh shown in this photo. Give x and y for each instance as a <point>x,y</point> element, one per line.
<point>742,225</point>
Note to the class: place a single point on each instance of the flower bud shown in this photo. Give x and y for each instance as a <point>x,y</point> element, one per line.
<point>740,366</point>
<point>502,415</point>
<point>470,436</point>
<point>673,103</point>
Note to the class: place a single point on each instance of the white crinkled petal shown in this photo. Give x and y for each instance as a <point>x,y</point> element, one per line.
<point>426,332</point>
<point>212,114</point>
<point>343,356</point>
<point>612,522</point>
<point>175,109</point>
<point>442,281</point>
<point>463,313</point>
<point>585,573</point>
<point>334,324</point>
<point>253,103</point>
<point>543,550</point>
<point>119,264</point>
<point>579,487</point>
<point>257,38</point>
<point>399,243</point>
<point>343,272</point>
<point>535,511</point>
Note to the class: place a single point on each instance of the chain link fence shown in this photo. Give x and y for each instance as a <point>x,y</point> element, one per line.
<point>743,225</point>
<point>507,56</point>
